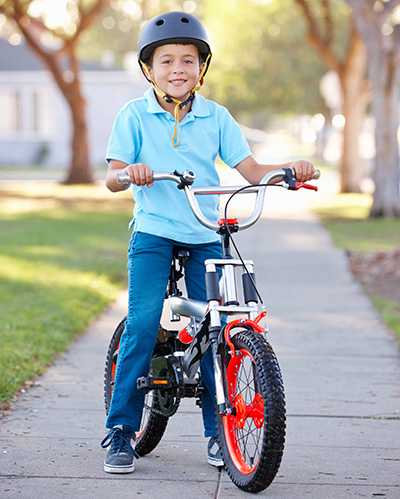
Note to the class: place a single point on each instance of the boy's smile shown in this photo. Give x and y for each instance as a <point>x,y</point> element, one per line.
<point>178,82</point>
<point>176,68</point>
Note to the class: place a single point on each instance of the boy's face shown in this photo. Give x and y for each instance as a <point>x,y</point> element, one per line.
<point>176,68</point>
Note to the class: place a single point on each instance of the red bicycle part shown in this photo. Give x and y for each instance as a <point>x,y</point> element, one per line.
<point>250,411</point>
<point>228,221</point>
<point>114,364</point>
<point>243,323</point>
<point>303,185</point>
<point>184,336</point>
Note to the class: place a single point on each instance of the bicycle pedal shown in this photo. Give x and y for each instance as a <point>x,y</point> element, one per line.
<point>150,383</point>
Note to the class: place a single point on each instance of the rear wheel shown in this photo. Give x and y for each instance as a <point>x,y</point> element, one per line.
<point>153,424</point>
<point>252,438</point>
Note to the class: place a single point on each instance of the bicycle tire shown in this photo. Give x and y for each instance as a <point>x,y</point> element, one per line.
<point>265,411</point>
<point>153,427</point>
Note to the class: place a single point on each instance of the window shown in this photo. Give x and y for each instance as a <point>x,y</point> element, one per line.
<point>25,111</point>
<point>10,116</point>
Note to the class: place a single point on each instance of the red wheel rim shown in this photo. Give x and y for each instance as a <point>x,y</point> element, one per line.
<point>114,365</point>
<point>244,428</point>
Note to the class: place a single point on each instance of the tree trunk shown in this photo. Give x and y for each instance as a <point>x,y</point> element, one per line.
<point>68,80</point>
<point>385,79</point>
<point>352,167</point>
<point>355,97</point>
<point>79,170</point>
<point>384,75</point>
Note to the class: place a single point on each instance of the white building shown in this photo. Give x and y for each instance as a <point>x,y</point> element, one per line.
<point>35,126</point>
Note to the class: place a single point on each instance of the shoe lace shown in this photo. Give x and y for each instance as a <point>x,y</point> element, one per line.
<point>211,443</point>
<point>119,440</point>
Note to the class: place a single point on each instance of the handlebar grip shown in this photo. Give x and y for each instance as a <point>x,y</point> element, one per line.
<point>182,179</point>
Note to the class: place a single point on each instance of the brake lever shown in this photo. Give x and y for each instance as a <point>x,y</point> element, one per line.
<point>303,185</point>
<point>294,185</point>
<point>187,178</point>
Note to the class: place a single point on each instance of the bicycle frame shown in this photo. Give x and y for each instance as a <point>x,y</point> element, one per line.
<point>222,293</point>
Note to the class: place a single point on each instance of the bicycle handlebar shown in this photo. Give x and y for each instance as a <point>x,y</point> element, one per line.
<point>186,179</point>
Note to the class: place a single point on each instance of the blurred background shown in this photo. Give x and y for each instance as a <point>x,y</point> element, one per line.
<point>293,72</point>
<point>306,79</point>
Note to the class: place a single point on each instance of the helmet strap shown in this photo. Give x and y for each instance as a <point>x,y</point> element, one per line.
<point>168,98</point>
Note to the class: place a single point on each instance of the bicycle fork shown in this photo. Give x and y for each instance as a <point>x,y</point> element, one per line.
<point>222,301</point>
<point>224,290</point>
<point>222,406</point>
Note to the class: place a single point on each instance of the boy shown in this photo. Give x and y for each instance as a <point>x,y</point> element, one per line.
<point>171,127</point>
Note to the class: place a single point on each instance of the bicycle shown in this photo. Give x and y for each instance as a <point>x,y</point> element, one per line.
<point>250,396</point>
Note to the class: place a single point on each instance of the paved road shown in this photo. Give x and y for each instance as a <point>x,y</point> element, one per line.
<point>341,370</point>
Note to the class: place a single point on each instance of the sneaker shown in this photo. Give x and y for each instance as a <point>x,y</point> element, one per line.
<point>120,455</point>
<point>214,454</point>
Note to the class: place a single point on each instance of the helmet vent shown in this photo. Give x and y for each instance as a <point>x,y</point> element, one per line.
<point>160,22</point>
<point>184,20</point>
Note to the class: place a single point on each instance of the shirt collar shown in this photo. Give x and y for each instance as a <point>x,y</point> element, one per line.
<point>199,105</point>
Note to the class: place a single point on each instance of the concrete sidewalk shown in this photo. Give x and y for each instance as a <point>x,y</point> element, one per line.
<point>341,370</point>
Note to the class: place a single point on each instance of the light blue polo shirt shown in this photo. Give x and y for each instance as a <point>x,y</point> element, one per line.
<point>142,133</point>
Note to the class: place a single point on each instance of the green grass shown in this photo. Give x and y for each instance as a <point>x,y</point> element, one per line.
<point>346,218</point>
<point>390,311</point>
<point>59,268</point>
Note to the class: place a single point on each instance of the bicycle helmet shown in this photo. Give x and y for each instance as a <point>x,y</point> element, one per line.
<point>173,27</point>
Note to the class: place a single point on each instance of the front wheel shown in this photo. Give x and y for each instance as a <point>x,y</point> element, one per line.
<point>252,438</point>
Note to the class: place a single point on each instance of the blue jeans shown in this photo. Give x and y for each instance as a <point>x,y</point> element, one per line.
<point>149,260</point>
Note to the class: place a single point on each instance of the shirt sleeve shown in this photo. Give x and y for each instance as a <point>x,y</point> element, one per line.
<point>124,141</point>
<point>233,146</point>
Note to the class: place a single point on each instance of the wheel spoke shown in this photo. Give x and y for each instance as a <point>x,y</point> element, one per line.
<point>246,384</point>
<point>247,432</point>
<point>245,445</point>
<point>249,443</point>
<point>247,423</point>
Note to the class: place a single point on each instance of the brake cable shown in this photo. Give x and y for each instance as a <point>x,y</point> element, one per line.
<point>226,225</point>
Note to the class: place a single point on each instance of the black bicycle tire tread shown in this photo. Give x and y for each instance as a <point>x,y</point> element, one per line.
<point>269,375</point>
<point>156,423</point>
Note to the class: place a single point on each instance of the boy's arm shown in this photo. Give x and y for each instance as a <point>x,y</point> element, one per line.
<point>253,172</point>
<point>115,167</point>
<point>139,173</point>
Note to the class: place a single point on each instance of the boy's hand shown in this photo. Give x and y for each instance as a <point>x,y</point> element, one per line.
<point>304,170</point>
<point>140,174</point>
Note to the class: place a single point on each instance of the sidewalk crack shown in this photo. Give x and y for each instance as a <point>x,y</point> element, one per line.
<point>219,484</point>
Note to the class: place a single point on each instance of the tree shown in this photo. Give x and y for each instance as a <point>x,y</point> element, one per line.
<point>33,26</point>
<point>351,71</point>
<point>382,39</point>
<point>260,64</point>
